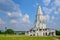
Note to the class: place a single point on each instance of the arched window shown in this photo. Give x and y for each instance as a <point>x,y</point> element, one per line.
<point>33,34</point>
<point>40,29</point>
<point>46,33</point>
<point>30,34</point>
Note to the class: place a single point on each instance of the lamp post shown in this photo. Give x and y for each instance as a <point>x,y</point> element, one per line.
<point>5,30</point>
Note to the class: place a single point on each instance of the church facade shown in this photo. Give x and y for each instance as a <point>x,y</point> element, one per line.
<point>40,28</point>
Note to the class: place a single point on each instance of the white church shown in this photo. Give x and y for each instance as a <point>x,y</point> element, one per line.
<point>40,28</point>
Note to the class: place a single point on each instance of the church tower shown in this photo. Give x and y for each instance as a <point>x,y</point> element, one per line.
<point>40,26</point>
<point>40,20</point>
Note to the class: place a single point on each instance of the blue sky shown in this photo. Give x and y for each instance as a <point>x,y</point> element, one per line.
<point>21,14</point>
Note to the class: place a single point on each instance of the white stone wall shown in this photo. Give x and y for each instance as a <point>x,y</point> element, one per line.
<point>41,33</point>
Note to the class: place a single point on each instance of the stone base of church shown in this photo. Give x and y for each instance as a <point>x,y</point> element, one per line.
<point>40,32</point>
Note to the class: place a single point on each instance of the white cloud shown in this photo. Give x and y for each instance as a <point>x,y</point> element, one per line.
<point>55,8</point>
<point>46,2</point>
<point>47,10</point>
<point>47,17</point>
<point>21,23</point>
<point>14,14</point>
<point>1,22</point>
<point>26,18</point>
<point>52,17</point>
<point>13,21</point>
<point>59,10</point>
<point>56,12</point>
<point>56,2</point>
<point>37,4</point>
<point>9,14</point>
<point>8,6</point>
<point>12,9</point>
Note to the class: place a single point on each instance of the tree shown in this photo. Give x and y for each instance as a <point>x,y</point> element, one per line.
<point>22,33</point>
<point>57,32</point>
<point>9,31</point>
<point>0,32</point>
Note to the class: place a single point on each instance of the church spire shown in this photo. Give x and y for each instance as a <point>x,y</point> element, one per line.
<point>39,10</point>
<point>40,22</point>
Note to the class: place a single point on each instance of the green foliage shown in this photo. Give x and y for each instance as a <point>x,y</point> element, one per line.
<point>9,31</point>
<point>0,32</point>
<point>57,32</point>
<point>22,33</point>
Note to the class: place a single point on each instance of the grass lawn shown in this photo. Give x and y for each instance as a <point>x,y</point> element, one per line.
<point>22,37</point>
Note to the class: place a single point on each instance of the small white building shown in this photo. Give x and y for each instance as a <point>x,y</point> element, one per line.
<point>40,26</point>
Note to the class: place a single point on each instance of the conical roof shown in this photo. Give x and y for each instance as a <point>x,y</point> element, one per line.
<point>39,10</point>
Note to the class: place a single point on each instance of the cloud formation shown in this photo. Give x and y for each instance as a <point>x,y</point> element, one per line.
<point>54,7</point>
<point>2,22</point>
<point>13,21</point>
<point>8,6</point>
<point>14,15</point>
<point>56,2</point>
<point>52,12</point>
<point>26,18</point>
<point>46,2</point>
